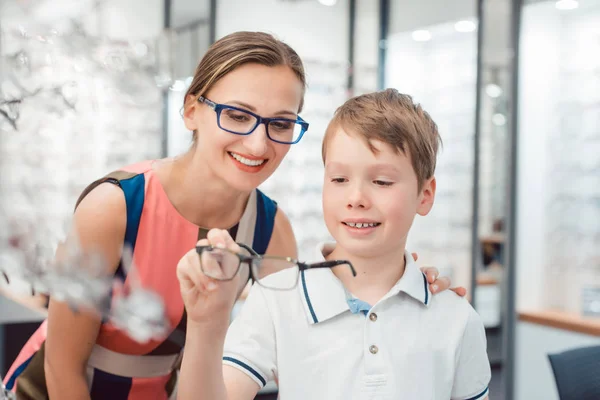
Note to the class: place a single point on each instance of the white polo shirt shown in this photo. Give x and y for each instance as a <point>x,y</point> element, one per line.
<point>410,345</point>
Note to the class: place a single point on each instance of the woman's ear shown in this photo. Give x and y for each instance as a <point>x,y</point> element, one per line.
<point>189,112</point>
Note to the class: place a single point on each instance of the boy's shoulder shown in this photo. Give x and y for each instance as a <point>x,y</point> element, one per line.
<point>449,308</point>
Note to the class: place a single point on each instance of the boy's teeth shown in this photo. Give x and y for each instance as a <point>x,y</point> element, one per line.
<point>362,224</point>
<point>245,161</point>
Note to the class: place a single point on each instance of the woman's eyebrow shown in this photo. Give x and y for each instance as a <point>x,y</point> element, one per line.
<point>253,109</point>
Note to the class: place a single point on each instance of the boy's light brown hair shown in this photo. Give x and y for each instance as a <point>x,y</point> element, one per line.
<point>393,118</point>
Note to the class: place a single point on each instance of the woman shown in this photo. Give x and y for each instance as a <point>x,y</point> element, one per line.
<point>243,107</point>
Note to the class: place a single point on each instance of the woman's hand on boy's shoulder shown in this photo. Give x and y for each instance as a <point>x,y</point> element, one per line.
<point>439,284</point>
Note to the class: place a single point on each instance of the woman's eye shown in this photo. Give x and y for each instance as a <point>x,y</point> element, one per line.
<point>240,118</point>
<point>237,116</point>
<point>280,125</point>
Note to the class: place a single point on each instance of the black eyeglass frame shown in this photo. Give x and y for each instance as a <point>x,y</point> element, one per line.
<point>254,257</point>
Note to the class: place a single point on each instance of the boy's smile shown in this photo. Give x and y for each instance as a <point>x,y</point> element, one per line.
<point>360,226</point>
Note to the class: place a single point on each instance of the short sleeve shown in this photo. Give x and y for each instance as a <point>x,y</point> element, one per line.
<point>473,372</point>
<point>250,340</point>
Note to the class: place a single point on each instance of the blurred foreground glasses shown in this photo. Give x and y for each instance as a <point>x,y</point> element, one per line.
<point>79,279</point>
<point>223,265</point>
<point>6,394</point>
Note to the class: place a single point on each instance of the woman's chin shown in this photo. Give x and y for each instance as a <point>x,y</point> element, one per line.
<point>245,182</point>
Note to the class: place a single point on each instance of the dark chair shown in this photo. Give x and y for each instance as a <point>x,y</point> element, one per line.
<point>577,373</point>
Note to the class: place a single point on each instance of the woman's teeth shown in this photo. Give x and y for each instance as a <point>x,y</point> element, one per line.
<point>362,224</point>
<point>245,161</point>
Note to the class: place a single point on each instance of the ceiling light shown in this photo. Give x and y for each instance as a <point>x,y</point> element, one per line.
<point>493,90</point>
<point>421,36</point>
<point>465,26</point>
<point>328,2</point>
<point>567,4</point>
<point>499,119</point>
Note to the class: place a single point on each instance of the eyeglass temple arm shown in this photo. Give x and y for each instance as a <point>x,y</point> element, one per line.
<point>249,249</point>
<point>206,101</point>
<point>328,264</point>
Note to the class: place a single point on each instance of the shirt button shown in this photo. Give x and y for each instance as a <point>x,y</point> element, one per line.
<point>373,317</point>
<point>373,349</point>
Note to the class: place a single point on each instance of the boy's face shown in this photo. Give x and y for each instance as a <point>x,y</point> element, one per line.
<point>370,199</point>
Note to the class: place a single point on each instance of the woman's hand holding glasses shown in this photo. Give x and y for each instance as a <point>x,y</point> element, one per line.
<point>210,283</point>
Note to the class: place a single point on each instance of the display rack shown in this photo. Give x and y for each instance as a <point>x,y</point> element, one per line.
<point>73,107</point>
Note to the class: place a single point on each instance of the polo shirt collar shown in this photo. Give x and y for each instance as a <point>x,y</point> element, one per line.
<point>324,297</point>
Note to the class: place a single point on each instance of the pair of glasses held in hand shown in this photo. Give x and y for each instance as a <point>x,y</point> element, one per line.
<point>223,265</point>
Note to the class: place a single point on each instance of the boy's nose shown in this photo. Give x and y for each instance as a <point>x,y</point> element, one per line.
<point>357,199</point>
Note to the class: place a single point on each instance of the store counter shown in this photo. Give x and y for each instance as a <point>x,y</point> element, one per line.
<point>540,333</point>
<point>569,322</point>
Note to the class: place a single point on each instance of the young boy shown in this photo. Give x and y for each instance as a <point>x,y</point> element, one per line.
<point>377,335</point>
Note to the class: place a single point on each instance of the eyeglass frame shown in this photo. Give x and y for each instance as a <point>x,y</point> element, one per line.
<point>249,260</point>
<point>218,108</point>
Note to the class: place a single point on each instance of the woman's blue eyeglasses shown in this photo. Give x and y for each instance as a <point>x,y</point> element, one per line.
<point>243,122</point>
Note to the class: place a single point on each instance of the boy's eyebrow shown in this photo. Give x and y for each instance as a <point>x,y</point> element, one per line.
<point>334,164</point>
<point>385,167</point>
<point>379,167</point>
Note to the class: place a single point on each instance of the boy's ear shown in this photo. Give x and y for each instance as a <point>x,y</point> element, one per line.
<point>188,112</point>
<point>426,197</point>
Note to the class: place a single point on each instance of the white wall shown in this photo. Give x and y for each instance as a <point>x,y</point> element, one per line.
<point>180,139</point>
<point>533,374</point>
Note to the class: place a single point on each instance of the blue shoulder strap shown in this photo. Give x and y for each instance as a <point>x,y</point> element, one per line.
<point>265,220</point>
<point>134,190</point>
<point>133,186</point>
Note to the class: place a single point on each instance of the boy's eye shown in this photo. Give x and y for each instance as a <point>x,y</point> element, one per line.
<point>382,183</point>
<point>338,180</point>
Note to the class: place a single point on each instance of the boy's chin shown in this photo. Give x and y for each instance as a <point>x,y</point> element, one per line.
<point>351,248</point>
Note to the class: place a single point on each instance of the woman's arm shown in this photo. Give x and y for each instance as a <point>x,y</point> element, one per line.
<point>98,225</point>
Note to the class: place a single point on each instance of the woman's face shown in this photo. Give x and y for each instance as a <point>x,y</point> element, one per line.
<point>245,161</point>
